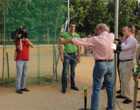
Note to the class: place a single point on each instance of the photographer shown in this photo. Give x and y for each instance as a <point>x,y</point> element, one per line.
<point>121,39</point>
<point>22,48</point>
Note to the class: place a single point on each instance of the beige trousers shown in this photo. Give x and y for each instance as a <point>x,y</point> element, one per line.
<point>125,75</point>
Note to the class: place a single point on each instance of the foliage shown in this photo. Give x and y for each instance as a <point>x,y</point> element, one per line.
<point>40,15</point>
<point>1,16</point>
<point>36,16</point>
<point>97,11</point>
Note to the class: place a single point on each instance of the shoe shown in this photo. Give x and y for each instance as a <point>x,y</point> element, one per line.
<point>119,91</point>
<point>139,88</point>
<point>63,91</point>
<point>120,97</point>
<point>19,91</point>
<point>127,101</point>
<point>108,108</point>
<point>75,88</point>
<point>25,89</point>
<point>138,106</point>
<point>138,101</point>
<point>103,87</point>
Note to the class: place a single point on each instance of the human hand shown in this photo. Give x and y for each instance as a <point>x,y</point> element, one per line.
<point>19,36</point>
<point>78,60</point>
<point>62,40</point>
<point>27,39</point>
<point>62,58</point>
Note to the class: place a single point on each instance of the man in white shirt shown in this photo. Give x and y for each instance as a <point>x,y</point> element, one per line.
<point>126,64</point>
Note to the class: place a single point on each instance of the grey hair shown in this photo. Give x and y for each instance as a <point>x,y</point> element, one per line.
<point>103,26</point>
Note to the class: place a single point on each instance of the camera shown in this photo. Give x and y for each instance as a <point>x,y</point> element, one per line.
<point>20,30</point>
<point>118,46</point>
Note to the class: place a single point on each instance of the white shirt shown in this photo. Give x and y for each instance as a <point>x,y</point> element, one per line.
<point>128,48</point>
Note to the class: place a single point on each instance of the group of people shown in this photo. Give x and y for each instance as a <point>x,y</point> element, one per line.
<point>101,42</point>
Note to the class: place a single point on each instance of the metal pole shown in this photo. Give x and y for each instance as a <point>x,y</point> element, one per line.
<point>115,55</point>
<point>8,68</point>
<point>135,94</point>
<point>3,43</point>
<point>68,13</point>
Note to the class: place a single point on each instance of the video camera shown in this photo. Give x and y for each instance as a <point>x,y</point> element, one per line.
<point>20,30</point>
<point>116,46</point>
<point>117,43</point>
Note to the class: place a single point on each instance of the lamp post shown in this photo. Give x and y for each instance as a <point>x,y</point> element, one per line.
<point>115,55</point>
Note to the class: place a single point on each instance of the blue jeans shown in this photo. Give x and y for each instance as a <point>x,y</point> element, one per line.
<point>102,69</point>
<point>68,61</point>
<point>22,67</point>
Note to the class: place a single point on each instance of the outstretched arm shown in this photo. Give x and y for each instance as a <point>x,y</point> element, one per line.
<point>63,41</point>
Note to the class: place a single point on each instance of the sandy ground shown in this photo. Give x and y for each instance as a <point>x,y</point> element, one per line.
<point>49,96</point>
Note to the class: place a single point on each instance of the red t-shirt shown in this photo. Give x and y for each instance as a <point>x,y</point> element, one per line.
<point>24,54</point>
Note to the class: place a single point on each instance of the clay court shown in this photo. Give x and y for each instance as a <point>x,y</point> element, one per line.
<point>48,96</point>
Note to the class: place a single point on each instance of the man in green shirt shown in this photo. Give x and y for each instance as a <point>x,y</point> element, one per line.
<point>70,56</point>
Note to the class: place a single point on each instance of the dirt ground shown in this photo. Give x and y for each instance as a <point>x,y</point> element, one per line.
<point>49,96</point>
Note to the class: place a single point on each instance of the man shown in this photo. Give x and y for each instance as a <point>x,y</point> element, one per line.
<point>22,48</point>
<point>103,55</point>
<point>126,64</point>
<point>138,62</point>
<point>121,38</point>
<point>103,84</point>
<point>138,47</point>
<point>70,57</point>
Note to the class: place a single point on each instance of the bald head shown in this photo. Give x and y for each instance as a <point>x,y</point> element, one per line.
<point>126,31</point>
<point>103,26</point>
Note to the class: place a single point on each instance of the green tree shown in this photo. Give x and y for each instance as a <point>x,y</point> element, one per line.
<point>97,11</point>
<point>1,16</point>
<point>126,9</point>
<point>136,15</point>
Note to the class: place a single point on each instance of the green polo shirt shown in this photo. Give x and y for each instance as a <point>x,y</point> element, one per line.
<point>70,48</point>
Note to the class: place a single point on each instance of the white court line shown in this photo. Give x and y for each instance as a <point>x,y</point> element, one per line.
<point>36,45</point>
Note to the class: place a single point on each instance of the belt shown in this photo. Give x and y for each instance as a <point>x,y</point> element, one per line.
<point>126,60</point>
<point>104,60</point>
<point>71,53</point>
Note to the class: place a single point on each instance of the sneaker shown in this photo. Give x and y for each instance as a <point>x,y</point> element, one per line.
<point>63,91</point>
<point>25,89</point>
<point>119,91</point>
<point>75,88</point>
<point>120,97</point>
<point>19,91</point>
<point>138,107</point>
<point>127,101</point>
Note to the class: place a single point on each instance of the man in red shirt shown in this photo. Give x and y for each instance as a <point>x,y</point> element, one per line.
<point>22,48</point>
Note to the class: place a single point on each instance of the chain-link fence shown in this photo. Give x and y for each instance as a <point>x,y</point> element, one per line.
<point>43,20</point>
